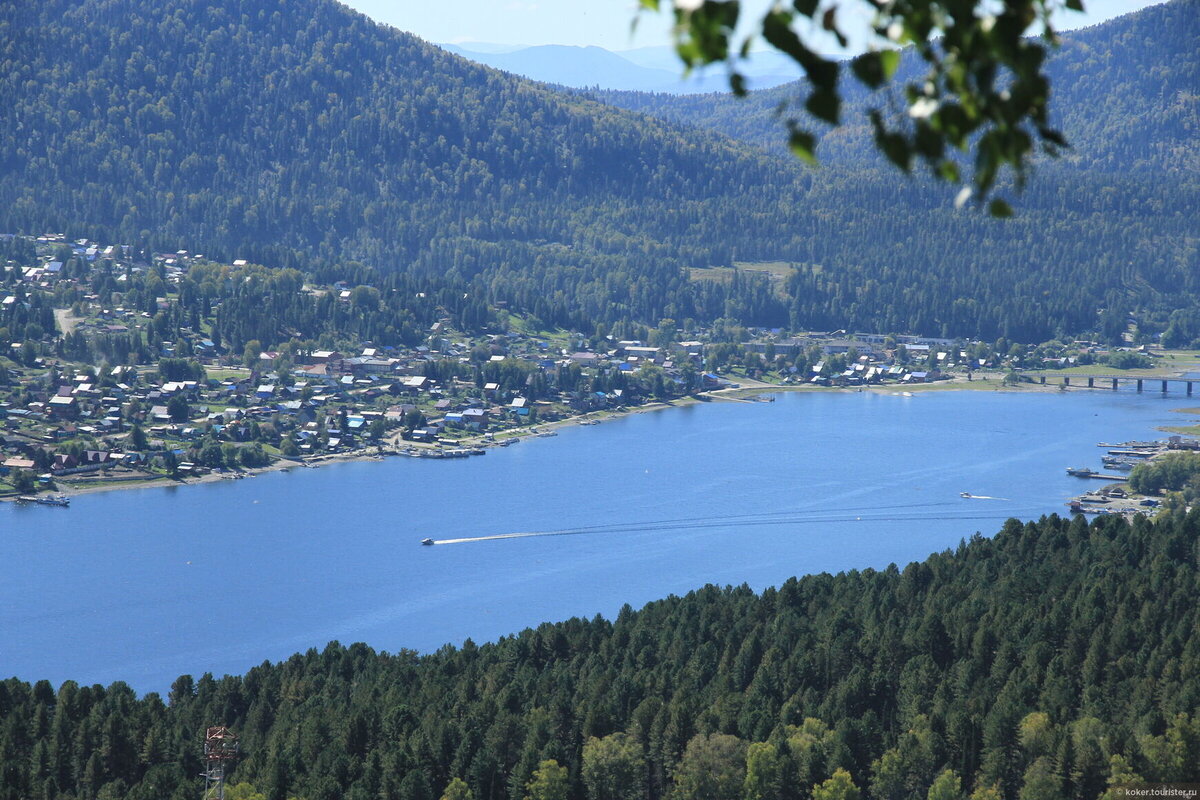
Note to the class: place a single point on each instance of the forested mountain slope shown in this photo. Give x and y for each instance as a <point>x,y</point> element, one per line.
<point>301,133</point>
<point>1124,93</point>
<point>293,132</point>
<point>1110,212</point>
<point>1047,661</point>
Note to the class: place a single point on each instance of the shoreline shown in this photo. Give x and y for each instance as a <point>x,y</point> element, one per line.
<point>747,388</point>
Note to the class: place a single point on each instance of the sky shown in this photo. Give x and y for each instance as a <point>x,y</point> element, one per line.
<point>605,23</point>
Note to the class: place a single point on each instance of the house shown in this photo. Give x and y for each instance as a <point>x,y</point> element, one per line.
<point>15,462</point>
<point>317,372</point>
<point>412,384</point>
<point>64,407</point>
<point>585,359</point>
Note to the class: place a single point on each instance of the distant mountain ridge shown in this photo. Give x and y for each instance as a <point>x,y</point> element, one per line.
<point>1124,92</point>
<point>651,69</point>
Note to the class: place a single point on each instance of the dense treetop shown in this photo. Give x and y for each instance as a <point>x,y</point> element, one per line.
<point>1045,662</point>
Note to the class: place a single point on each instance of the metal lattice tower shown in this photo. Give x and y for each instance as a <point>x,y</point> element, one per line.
<point>220,747</point>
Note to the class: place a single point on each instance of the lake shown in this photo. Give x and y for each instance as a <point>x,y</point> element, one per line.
<point>145,585</point>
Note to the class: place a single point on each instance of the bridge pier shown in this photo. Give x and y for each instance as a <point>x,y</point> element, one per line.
<point>1066,380</point>
<point>1189,388</point>
<point>1164,385</point>
<point>1091,383</point>
<point>1114,380</point>
<point>1139,380</point>
<point>1042,379</point>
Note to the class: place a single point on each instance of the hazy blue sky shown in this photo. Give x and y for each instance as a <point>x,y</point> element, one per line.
<point>582,22</point>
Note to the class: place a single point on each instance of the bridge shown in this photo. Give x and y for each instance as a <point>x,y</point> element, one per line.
<point>1111,381</point>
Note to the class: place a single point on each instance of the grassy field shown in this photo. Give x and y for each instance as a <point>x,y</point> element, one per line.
<point>775,270</point>
<point>227,374</point>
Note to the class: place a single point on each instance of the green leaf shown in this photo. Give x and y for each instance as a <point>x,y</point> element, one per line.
<point>890,60</point>
<point>876,68</point>
<point>829,23</point>
<point>1000,209</point>
<point>806,7</point>
<point>778,32</point>
<point>893,145</point>
<point>803,145</point>
<point>1052,136</point>
<point>1075,5</point>
<point>868,68</point>
<point>824,104</point>
<point>928,142</point>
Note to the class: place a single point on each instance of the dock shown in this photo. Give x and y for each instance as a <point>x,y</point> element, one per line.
<point>1087,473</point>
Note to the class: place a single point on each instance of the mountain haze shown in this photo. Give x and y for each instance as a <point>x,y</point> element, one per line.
<point>647,69</point>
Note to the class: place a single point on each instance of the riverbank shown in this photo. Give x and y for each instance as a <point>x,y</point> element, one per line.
<point>747,390</point>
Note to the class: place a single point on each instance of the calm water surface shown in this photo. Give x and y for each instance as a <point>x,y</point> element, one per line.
<point>143,586</point>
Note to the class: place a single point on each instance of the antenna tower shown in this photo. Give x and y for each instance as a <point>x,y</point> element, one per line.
<point>220,747</point>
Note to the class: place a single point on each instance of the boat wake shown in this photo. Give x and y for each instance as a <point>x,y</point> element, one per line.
<point>899,513</point>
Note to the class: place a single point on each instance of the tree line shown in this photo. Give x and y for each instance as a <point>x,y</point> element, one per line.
<point>1054,660</point>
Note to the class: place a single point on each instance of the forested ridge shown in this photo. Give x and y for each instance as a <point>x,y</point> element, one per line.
<point>1051,661</point>
<point>1123,95</point>
<point>303,134</point>
<point>1114,204</point>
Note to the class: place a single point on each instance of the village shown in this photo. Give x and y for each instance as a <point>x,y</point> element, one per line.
<point>193,408</point>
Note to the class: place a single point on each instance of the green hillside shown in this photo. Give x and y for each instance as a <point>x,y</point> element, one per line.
<point>302,134</point>
<point>1124,95</point>
<point>1044,663</point>
<point>1105,226</point>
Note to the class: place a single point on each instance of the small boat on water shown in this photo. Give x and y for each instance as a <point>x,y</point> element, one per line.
<point>1081,472</point>
<point>427,542</point>
<point>965,494</point>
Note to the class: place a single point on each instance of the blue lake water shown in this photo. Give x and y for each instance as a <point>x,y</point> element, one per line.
<point>145,585</point>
